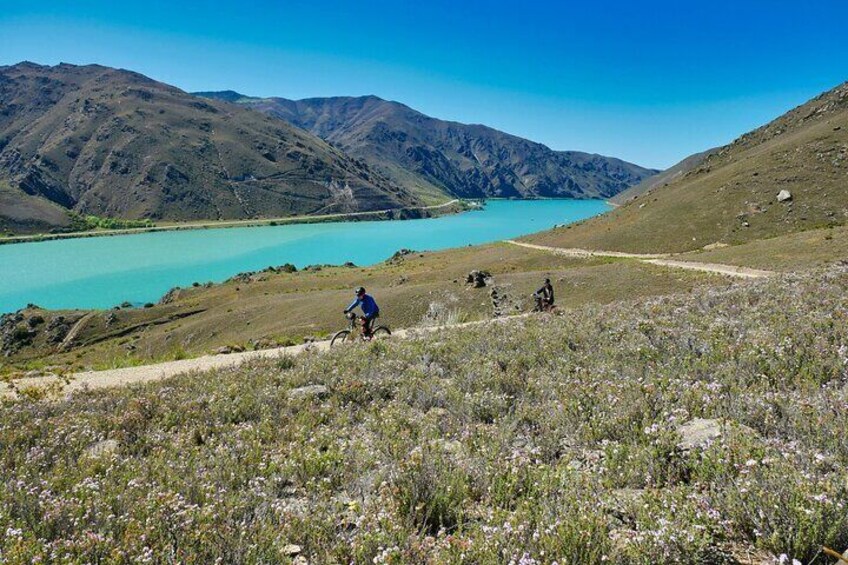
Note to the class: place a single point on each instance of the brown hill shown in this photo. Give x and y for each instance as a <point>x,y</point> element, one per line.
<point>109,142</point>
<point>437,156</point>
<point>732,196</point>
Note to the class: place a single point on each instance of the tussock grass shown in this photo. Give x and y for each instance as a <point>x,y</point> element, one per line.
<point>537,440</point>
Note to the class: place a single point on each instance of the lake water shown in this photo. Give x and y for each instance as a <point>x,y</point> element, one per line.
<point>102,272</point>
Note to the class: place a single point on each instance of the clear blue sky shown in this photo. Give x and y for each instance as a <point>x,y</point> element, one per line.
<point>650,82</point>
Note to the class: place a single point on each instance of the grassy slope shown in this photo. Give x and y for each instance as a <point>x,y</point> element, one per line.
<point>283,308</point>
<point>804,151</point>
<point>797,251</point>
<point>548,438</point>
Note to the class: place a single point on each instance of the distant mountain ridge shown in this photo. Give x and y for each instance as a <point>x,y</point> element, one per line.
<point>433,156</point>
<point>110,142</point>
<point>663,178</point>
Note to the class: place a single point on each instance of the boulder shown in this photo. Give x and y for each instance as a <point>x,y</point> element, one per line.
<point>171,295</point>
<point>698,433</point>
<point>478,279</point>
<point>244,278</point>
<point>308,392</point>
<point>292,549</point>
<point>227,349</point>
<point>57,329</point>
<point>263,343</point>
<point>14,333</point>
<point>399,256</point>
<point>102,449</point>
<point>623,503</point>
<point>784,196</point>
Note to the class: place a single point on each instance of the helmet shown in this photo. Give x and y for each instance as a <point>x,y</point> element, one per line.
<point>359,290</point>
<point>547,281</point>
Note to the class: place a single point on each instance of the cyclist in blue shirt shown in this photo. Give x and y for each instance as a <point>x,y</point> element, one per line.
<point>370,310</point>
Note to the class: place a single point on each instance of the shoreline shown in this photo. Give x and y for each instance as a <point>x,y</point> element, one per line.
<point>373,215</point>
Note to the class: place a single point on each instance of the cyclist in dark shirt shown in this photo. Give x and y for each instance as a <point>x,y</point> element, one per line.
<point>546,294</point>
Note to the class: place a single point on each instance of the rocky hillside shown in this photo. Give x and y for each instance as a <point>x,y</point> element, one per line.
<point>435,156</point>
<point>109,142</point>
<point>787,176</point>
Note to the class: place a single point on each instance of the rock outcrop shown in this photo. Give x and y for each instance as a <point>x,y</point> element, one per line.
<point>478,279</point>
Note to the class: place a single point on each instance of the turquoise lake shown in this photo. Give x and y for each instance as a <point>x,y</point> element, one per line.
<point>101,272</point>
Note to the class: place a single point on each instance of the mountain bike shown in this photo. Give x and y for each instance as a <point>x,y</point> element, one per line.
<point>349,335</point>
<point>542,305</point>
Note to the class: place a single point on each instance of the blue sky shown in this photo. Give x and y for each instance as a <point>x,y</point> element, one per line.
<point>650,82</point>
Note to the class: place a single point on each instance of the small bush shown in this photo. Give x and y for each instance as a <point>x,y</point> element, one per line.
<point>432,491</point>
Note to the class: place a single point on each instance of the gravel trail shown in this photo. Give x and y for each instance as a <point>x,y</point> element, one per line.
<point>654,259</point>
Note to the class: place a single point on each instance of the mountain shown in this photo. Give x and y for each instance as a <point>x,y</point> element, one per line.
<point>731,197</point>
<point>662,178</point>
<point>109,142</point>
<point>436,156</point>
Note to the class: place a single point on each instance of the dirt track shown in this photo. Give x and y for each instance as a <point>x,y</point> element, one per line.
<point>654,259</point>
<point>158,371</point>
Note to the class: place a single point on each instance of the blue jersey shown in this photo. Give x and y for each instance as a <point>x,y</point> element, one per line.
<point>368,305</point>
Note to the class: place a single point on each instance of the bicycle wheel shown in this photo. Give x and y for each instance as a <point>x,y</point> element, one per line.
<point>340,337</point>
<point>382,331</point>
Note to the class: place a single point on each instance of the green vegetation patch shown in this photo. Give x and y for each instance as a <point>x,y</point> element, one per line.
<point>89,222</point>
